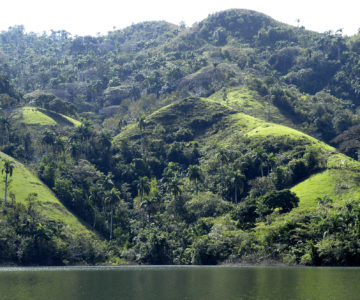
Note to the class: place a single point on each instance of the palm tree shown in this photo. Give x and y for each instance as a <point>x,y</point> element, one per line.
<point>112,197</point>
<point>143,187</point>
<point>74,149</point>
<point>8,169</point>
<point>237,181</point>
<point>325,201</point>
<point>84,133</point>
<point>5,122</point>
<point>195,175</point>
<point>260,158</point>
<point>174,186</point>
<point>270,162</point>
<point>148,206</point>
<point>58,148</point>
<point>106,184</point>
<point>95,199</point>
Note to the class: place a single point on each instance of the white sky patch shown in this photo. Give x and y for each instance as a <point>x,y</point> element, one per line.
<point>89,17</point>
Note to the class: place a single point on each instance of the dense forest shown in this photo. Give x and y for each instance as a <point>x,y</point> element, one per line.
<point>235,140</point>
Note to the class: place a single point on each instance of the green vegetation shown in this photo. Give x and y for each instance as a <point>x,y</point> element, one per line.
<point>37,116</point>
<point>23,183</point>
<point>234,140</point>
<point>32,115</point>
<point>339,185</point>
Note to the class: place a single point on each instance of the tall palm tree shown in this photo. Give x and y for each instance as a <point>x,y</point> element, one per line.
<point>260,157</point>
<point>174,187</point>
<point>83,133</point>
<point>5,122</point>
<point>74,149</point>
<point>95,198</point>
<point>237,181</point>
<point>148,205</point>
<point>58,148</point>
<point>112,197</point>
<point>143,186</point>
<point>8,169</point>
<point>195,175</point>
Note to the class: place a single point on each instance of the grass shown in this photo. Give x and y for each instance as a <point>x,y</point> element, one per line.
<point>251,103</point>
<point>275,130</point>
<point>241,124</point>
<point>338,184</point>
<point>23,182</point>
<point>31,116</point>
<point>197,114</point>
<point>38,116</point>
<point>341,180</point>
<point>76,123</point>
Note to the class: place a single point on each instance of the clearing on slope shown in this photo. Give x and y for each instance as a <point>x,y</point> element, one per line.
<point>23,182</point>
<point>38,116</point>
<point>340,182</point>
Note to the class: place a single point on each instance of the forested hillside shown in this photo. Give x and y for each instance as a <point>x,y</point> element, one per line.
<point>234,140</point>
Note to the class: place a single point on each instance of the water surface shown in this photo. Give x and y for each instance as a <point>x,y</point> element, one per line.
<point>173,282</point>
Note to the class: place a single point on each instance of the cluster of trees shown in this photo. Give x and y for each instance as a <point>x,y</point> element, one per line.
<point>326,236</point>
<point>321,114</point>
<point>28,238</point>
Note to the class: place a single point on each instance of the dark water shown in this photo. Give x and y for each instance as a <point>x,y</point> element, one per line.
<point>172,283</point>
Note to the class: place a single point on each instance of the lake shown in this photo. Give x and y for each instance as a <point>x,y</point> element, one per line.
<point>178,282</point>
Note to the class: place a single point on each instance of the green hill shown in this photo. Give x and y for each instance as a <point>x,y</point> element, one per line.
<point>215,124</point>
<point>23,183</point>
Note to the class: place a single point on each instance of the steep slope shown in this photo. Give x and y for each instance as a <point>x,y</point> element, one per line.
<point>23,183</point>
<point>340,182</point>
<point>250,102</point>
<point>39,116</point>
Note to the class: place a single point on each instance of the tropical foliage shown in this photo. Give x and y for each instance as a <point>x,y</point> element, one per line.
<point>162,144</point>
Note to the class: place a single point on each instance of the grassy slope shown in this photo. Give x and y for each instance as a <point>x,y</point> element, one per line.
<point>339,181</point>
<point>36,116</point>
<point>198,114</point>
<point>251,103</point>
<point>32,115</point>
<point>24,182</point>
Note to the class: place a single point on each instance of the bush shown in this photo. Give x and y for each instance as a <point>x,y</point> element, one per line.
<point>285,200</point>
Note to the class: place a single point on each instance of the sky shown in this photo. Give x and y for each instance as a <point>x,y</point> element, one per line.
<point>92,17</point>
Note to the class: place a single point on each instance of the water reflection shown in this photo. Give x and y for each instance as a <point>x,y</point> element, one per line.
<point>225,283</point>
